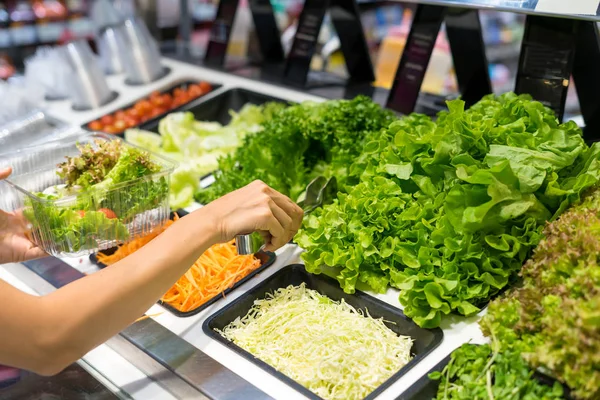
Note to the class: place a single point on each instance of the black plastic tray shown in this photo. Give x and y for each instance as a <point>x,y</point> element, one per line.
<point>425,340</point>
<point>216,108</point>
<point>266,260</point>
<point>155,120</point>
<point>426,388</point>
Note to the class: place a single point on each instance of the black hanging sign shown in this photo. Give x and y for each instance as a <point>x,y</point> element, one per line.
<point>305,41</point>
<point>463,29</point>
<point>220,32</point>
<point>546,60</point>
<point>269,38</point>
<point>419,46</point>
<point>264,23</point>
<point>346,20</point>
<point>586,77</point>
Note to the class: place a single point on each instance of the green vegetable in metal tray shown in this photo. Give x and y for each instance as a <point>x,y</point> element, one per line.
<point>448,211</point>
<point>553,318</point>
<point>327,346</point>
<point>298,144</point>
<point>198,145</point>
<point>480,372</point>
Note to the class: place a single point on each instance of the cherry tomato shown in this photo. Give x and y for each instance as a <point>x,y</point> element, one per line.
<point>167,100</point>
<point>110,129</point>
<point>110,214</point>
<point>178,92</point>
<point>107,119</point>
<point>119,115</point>
<point>195,91</point>
<point>132,121</point>
<point>184,98</point>
<point>133,113</point>
<point>205,86</point>
<point>120,125</point>
<point>143,106</point>
<point>81,213</point>
<point>176,103</point>
<point>95,125</point>
<point>157,101</point>
<point>158,111</point>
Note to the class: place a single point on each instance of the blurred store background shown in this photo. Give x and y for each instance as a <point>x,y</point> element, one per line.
<point>25,25</point>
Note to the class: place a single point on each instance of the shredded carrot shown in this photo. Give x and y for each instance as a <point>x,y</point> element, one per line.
<point>218,269</point>
<point>132,246</point>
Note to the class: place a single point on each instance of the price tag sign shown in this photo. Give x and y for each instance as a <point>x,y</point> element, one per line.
<point>267,31</point>
<point>346,21</point>
<point>415,58</point>
<point>305,41</point>
<point>221,32</point>
<point>546,60</point>
<point>463,30</point>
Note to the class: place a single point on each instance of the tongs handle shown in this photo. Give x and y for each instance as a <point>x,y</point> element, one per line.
<point>247,244</point>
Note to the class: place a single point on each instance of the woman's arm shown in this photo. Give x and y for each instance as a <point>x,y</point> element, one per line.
<point>46,334</point>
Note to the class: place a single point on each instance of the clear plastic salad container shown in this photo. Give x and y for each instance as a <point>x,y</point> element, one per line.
<point>74,220</point>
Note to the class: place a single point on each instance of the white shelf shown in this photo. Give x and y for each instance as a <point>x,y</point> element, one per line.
<point>580,9</point>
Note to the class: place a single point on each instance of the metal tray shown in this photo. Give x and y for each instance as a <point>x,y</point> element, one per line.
<point>426,388</point>
<point>266,260</point>
<point>425,340</point>
<point>155,120</point>
<point>216,108</point>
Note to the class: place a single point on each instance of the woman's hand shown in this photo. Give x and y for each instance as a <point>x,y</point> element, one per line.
<point>14,245</point>
<point>256,207</point>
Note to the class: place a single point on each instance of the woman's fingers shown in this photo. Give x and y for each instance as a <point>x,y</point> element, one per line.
<point>284,219</point>
<point>291,209</point>
<point>277,232</point>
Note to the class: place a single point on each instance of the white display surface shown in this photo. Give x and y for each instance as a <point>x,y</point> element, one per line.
<point>457,330</point>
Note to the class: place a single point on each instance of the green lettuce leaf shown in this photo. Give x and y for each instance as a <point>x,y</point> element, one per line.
<point>448,211</point>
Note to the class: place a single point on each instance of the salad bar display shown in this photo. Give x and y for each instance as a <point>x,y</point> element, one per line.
<point>447,257</point>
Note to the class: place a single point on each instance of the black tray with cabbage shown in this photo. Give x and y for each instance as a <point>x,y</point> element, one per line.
<point>394,325</point>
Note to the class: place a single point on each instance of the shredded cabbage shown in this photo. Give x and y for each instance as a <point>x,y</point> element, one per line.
<point>329,347</point>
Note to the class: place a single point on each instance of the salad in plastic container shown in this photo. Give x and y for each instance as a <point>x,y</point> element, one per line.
<point>87,193</point>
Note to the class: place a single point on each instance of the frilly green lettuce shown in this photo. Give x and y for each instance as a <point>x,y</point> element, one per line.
<point>448,211</point>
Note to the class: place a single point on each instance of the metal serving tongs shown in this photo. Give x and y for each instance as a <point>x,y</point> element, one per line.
<point>319,192</point>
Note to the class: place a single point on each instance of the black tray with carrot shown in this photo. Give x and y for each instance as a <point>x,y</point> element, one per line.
<point>216,273</point>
